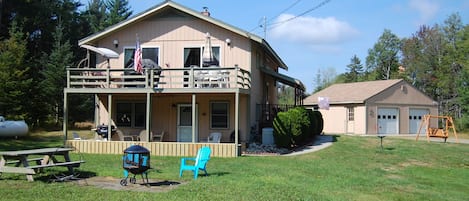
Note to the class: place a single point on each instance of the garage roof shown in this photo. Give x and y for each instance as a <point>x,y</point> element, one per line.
<point>346,93</point>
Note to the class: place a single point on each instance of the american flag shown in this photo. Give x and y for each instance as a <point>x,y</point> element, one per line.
<point>138,58</point>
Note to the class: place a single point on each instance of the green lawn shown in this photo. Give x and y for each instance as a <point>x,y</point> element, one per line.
<point>353,168</point>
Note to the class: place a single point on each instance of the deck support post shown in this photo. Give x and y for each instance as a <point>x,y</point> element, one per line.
<point>109,117</point>
<point>193,117</point>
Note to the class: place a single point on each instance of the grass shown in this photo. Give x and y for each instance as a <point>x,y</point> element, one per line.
<point>354,168</point>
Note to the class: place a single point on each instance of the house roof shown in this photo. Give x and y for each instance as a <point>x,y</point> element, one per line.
<point>170,4</point>
<point>357,92</point>
<point>284,78</point>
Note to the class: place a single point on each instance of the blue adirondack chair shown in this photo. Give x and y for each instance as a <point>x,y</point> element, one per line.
<point>200,162</point>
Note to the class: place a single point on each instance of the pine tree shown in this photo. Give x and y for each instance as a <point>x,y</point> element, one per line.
<point>355,70</point>
<point>55,73</point>
<point>14,75</point>
<point>119,10</point>
<point>95,14</point>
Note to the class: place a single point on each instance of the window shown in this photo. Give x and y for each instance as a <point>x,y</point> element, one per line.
<point>219,115</point>
<point>130,115</point>
<point>193,56</point>
<point>351,113</point>
<point>147,53</point>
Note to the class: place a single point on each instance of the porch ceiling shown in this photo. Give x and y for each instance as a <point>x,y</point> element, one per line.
<point>284,78</point>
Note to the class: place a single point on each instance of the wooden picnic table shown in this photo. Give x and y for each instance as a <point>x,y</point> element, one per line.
<point>44,157</point>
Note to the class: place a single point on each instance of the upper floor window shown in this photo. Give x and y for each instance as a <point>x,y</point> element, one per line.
<point>147,53</point>
<point>193,57</point>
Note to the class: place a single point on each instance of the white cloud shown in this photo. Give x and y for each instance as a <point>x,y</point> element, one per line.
<point>312,31</point>
<point>426,9</point>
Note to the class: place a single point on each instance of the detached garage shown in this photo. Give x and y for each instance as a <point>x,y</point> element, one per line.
<point>373,107</point>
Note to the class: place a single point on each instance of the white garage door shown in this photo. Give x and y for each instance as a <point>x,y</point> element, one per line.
<point>415,119</point>
<point>387,120</point>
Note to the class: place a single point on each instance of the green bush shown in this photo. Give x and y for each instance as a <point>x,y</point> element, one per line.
<point>282,137</point>
<point>319,126</point>
<point>296,127</point>
<point>301,125</point>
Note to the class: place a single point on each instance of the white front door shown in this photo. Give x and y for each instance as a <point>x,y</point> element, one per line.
<point>184,123</point>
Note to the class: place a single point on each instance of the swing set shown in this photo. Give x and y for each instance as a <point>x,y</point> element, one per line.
<point>437,132</point>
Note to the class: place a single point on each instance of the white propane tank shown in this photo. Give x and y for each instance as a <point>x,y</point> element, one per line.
<point>12,128</point>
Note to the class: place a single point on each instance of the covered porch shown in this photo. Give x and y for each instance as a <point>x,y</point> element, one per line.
<point>180,104</point>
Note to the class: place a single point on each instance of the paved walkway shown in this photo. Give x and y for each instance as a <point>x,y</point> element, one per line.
<point>322,141</point>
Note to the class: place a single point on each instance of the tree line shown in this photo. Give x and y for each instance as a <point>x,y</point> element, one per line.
<point>434,59</point>
<point>38,41</point>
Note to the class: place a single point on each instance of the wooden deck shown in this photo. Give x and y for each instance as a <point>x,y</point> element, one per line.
<point>156,148</point>
<point>161,80</point>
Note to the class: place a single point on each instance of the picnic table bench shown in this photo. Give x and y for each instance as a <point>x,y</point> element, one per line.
<point>48,159</point>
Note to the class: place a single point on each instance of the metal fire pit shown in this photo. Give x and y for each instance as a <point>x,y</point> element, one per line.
<point>136,160</point>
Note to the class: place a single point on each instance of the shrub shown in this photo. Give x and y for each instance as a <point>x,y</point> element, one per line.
<point>300,124</point>
<point>282,137</point>
<point>296,127</point>
<point>319,122</point>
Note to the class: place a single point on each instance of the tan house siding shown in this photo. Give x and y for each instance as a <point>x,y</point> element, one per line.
<point>334,120</point>
<point>173,35</point>
<point>360,120</point>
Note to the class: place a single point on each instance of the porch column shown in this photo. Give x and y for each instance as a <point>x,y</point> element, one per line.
<point>148,117</point>
<point>96,110</point>
<point>236,121</point>
<point>193,117</point>
<point>109,120</point>
<point>65,123</point>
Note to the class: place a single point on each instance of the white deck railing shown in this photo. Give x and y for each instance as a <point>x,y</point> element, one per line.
<point>207,77</point>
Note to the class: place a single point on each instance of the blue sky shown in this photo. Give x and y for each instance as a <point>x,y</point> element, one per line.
<point>312,35</point>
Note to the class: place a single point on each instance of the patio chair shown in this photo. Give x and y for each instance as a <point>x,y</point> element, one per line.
<point>214,137</point>
<point>215,79</point>
<point>200,162</point>
<point>158,137</point>
<point>143,136</point>
<point>123,137</point>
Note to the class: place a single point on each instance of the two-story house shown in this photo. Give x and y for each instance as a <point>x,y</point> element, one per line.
<point>199,76</point>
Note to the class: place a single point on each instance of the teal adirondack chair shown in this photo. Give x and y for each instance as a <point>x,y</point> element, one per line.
<point>200,162</point>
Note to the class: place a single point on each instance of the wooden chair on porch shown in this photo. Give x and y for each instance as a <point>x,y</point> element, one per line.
<point>143,136</point>
<point>157,137</point>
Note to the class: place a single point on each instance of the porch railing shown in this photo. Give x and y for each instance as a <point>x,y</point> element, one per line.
<point>156,148</point>
<point>193,77</point>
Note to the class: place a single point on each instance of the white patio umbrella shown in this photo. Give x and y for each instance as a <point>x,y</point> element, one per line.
<point>207,55</point>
